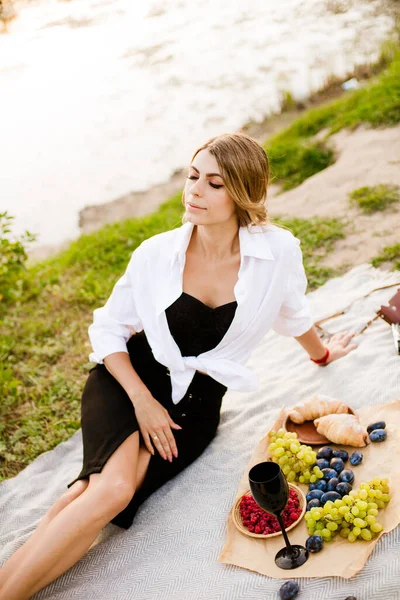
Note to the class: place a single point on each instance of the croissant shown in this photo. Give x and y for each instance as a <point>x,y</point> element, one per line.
<point>316,406</point>
<point>342,429</point>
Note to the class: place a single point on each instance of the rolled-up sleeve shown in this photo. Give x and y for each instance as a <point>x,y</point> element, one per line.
<point>294,317</point>
<point>113,323</point>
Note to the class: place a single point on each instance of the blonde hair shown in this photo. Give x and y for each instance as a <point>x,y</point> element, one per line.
<point>245,168</point>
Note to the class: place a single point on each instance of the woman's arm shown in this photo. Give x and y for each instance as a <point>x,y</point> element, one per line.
<point>337,345</point>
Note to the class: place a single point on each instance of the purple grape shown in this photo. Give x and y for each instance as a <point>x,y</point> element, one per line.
<point>332,484</point>
<point>378,425</point>
<point>318,485</point>
<point>314,543</point>
<point>356,458</point>
<point>312,503</point>
<point>325,452</point>
<point>329,473</point>
<point>378,435</point>
<point>289,590</point>
<point>337,464</point>
<point>314,494</point>
<point>330,496</point>
<point>340,454</point>
<point>343,488</point>
<point>347,476</point>
<point>322,463</point>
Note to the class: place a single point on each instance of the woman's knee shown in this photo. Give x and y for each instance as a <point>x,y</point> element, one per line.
<point>112,492</point>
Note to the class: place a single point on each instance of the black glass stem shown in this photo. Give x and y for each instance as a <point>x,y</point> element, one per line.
<point>271,491</point>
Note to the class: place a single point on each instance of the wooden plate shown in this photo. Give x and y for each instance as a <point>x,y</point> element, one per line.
<point>238,520</point>
<point>307,432</point>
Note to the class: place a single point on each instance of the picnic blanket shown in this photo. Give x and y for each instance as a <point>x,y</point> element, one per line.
<point>172,549</point>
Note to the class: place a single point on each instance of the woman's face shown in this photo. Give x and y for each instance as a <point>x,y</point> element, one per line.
<point>206,199</point>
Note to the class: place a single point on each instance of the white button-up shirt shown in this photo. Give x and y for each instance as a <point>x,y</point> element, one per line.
<point>270,294</point>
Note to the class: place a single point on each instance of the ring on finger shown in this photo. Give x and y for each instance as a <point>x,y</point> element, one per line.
<point>155,437</point>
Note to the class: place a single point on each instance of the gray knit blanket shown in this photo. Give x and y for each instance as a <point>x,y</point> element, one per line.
<point>171,550</point>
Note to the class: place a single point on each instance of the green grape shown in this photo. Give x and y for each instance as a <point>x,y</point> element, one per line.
<point>370,519</point>
<point>313,478</point>
<point>359,522</point>
<point>343,510</point>
<point>373,512</point>
<point>311,523</point>
<point>378,494</point>
<point>291,476</point>
<point>371,494</point>
<point>331,526</point>
<point>349,517</point>
<point>351,537</point>
<point>326,534</point>
<point>356,531</point>
<point>319,526</point>
<point>361,505</point>
<point>283,460</point>
<point>375,481</point>
<point>302,479</point>
<point>355,511</point>
<point>339,503</point>
<point>362,514</point>
<point>279,452</point>
<point>372,505</point>
<point>286,469</point>
<point>294,447</point>
<point>376,527</point>
<point>380,503</point>
<point>363,494</point>
<point>344,532</point>
<point>366,534</point>
<point>353,493</point>
<point>279,443</point>
<point>385,498</point>
<point>347,499</point>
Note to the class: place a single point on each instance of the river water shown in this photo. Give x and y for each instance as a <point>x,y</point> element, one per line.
<point>99,98</point>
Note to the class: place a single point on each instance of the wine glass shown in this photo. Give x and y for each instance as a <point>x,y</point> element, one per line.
<point>271,491</point>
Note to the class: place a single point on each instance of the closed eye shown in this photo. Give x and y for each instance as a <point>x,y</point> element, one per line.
<point>213,185</point>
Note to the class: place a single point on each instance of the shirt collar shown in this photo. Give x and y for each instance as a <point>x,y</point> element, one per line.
<point>251,242</point>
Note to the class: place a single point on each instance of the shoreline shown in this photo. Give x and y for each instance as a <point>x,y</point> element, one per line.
<point>145,202</point>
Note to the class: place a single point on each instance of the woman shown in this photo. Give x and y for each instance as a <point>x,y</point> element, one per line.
<point>198,299</point>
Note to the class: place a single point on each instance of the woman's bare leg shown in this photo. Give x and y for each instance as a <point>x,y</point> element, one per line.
<point>70,533</point>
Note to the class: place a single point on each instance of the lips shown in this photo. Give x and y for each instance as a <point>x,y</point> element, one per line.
<point>195,206</point>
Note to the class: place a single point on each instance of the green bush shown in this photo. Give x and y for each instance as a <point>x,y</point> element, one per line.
<point>12,259</point>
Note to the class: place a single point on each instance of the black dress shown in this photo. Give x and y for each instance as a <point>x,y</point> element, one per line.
<point>108,416</point>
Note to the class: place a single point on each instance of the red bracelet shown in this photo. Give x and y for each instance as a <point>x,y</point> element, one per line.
<point>323,360</point>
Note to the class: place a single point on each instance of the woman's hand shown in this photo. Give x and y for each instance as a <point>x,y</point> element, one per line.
<point>155,425</point>
<point>339,345</point>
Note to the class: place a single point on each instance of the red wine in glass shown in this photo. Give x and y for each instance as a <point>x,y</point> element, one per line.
<point>271,491</point>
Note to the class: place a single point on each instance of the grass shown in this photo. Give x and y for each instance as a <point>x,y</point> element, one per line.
<point>295,155</point>
<point>388,254</point>
<point>376,198</point>
<point>43,337</point>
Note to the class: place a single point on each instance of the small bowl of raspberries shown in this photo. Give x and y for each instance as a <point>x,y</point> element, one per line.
<point>255,522</point>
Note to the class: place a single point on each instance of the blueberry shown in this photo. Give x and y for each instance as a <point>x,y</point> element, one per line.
<point>322,463</point>
<point>340,454</point>
<point>325,452</point>
<point>312,503</point>
<point>378,435</point>
<point>332,484</point>
<point>329,473</point>
<point>343,488</point>
<point>289,590</point>
<point>377,425</point>
<point>314,543</point>
<point>347,476</point>
<point>330,496</point>
<point>314,494</point>
<point>337,464</point>
<point>356,458</point>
